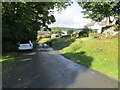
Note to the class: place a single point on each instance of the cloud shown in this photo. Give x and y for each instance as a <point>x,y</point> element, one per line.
<point>70,17</point>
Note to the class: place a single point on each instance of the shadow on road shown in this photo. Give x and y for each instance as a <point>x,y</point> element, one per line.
<point>21,73</point>
<point>52,70</point>
<point>81,58</point>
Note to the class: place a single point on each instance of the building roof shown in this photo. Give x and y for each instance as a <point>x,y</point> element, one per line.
<point>92,23</point>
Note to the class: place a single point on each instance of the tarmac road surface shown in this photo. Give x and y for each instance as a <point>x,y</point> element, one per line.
<point>46,68</point>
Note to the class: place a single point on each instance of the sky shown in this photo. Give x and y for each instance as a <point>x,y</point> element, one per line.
<point>70,17</point>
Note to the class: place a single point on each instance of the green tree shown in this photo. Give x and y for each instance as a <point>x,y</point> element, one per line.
<point>70,32</point>
<point>56,30</point>
<point>22,20</point>
<point>85,32</point>
<point>99,10</point>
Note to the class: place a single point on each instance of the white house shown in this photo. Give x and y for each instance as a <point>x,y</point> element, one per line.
<point>63,33</point>
<point>96,26</point>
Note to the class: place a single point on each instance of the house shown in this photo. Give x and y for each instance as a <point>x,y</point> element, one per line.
<point>64,33</point>
<point>96,26</point>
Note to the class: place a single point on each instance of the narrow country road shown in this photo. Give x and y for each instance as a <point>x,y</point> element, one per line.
<point>46,68</point>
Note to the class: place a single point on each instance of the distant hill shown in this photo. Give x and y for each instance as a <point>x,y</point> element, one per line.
<point>66,28</point>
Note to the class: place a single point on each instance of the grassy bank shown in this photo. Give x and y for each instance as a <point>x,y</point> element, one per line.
<point>99,54</point>
<point>8,61</point>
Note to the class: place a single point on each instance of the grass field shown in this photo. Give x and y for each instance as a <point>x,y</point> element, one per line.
<point>99,54</point>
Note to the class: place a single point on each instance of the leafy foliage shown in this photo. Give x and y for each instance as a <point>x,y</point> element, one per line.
<point>22,20</point>
<point>95,35</point>
<point>85,32</point>
<point>99,10</point>
<point>56,30</point>
<point>71,32</point>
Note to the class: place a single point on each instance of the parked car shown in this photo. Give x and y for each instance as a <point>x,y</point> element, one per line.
<point>25,45</point>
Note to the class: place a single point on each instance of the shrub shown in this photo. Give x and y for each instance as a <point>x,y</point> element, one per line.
<point>70,40</point>
<point>85,32</point>
<point>95,35</point>
<point>116,27</point>
<point>65,36</point>
<point>50,42</point>
<point>115,36</point>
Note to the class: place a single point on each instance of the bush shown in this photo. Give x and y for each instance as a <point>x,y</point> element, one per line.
<point>116,27</point>
<point>115,36</point>
<point>85,32</point>
<point>95,35</point>
<point>59,43</point>
<point>50,42</point>
<point>65,36</point>
<point>70,40</point>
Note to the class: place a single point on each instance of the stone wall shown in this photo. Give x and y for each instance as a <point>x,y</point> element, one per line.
<point>109,32</point>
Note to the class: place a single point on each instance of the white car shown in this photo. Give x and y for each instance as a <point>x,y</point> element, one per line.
<point>25,45</point>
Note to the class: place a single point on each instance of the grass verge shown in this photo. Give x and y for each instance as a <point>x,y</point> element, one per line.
<point>99,54</point>
<point>8,61</point>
